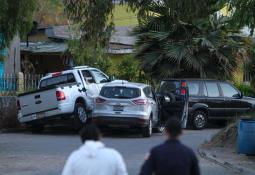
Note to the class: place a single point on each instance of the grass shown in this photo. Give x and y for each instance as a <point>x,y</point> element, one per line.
<point>124,17</point>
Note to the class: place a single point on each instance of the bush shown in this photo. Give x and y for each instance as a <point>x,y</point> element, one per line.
<point>128,69</point>
<point>247,90</point>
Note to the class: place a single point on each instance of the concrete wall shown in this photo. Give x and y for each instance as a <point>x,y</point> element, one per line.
<point>8,112</point>
<point>13,59</point>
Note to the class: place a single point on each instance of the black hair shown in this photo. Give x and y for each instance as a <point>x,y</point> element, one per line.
<point>90,132</point>
<point>173,127</point>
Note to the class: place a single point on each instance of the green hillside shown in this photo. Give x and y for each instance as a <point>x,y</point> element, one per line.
<point>122,17</point>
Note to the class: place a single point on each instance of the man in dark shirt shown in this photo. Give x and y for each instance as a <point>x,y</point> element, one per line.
<point>171,157</point>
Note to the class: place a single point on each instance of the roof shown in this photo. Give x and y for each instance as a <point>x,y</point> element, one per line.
<point>190,79</point>
<point>43,47</point>
<point>126,84</point>
<point>121,42</point>
<point>61,47</point>
<point>121,35</point>
<point>58,32</point>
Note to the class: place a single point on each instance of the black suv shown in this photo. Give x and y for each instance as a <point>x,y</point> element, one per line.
<point>207,99</point>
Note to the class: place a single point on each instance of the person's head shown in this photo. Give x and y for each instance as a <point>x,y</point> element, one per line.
<point>173,128</point>
<point>90,132</point>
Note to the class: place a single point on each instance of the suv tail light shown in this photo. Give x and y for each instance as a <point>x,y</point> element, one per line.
<point>60,95</point>
<point>140,101</point>
<point>100,100</point>
<point>18,105</point>
<point>183,91</point>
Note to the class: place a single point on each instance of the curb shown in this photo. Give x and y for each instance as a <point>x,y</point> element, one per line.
<point>236,168</point>
<point>12,130</point>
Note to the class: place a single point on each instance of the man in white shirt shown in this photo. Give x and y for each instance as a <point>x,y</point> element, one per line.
<point>93,158</point>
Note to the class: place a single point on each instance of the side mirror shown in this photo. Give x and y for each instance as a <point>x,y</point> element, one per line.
<point>111,78</point>
<point>238,96</point>
<point>241,94</point>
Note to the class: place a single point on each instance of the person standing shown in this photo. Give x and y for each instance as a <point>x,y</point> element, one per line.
<point>171,157</point>
<point>93,158</point>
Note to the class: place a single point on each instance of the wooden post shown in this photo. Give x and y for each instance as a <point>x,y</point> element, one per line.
<point>20,88</point>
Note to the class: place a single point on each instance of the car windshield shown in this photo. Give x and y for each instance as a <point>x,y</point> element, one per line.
<point>120,92</point>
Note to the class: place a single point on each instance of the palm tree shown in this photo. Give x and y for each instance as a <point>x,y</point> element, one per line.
<point>172,47</point>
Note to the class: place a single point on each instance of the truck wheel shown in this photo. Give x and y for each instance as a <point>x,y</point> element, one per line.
<point>147,131</point>
<point>80,114</point>
<point>199,120</point>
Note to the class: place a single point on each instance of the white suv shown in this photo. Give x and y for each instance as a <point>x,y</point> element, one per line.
<point>128,105</point>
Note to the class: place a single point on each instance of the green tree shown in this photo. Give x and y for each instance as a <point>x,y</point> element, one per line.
<point>50,12</point>
<point>15,18</point>
<point>92,16</point>
<point>92,20</point>
<point>90,56</point>
<point>242,13</point>
<point>199,45</point>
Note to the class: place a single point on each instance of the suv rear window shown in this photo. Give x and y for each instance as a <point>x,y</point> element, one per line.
<point>62,79</point>
<point>120,92</point>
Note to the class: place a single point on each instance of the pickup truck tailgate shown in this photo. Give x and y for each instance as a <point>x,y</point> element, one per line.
<point>38,101</point>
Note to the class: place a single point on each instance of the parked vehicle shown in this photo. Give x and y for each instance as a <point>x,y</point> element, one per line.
<point>208,99</point>
<point>127,105</point>
<point>61,96</point>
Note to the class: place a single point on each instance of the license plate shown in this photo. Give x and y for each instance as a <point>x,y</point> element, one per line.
<point>40,115</point>
<point>118,108</point>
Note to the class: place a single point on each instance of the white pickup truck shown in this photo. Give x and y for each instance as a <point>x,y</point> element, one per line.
<point>61,96</point>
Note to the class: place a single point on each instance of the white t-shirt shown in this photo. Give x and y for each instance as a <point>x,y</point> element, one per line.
<point>93,158</point>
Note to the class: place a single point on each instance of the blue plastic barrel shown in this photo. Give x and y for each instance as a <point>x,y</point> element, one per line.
<point>246,137</point>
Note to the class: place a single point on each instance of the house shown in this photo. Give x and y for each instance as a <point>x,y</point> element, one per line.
<point>45,50</point>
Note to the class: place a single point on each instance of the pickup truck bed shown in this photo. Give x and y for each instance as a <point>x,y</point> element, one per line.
<point>46,102</point>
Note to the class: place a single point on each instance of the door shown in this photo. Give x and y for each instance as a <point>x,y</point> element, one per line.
<point>215,101</point>
<point>173,99</point>
<point>233,102</point>
<point>152,101</point>
<point>100,78</point>
<point>92,89</point>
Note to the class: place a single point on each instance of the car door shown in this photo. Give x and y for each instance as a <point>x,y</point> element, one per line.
<point>233,103</point>
<point>214,100</point>
<point>92,89</point>
<point>152,101</point>
<point>173,98</point>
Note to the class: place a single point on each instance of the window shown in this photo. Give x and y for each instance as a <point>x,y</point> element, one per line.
<point>193,88</point>
<point>228,90</point>
<point>147,91</point>
<point>53,81</point>
<point>212,89</point>
<point>99,76</point>
<point>88,77</point>
<point>120,92</point>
